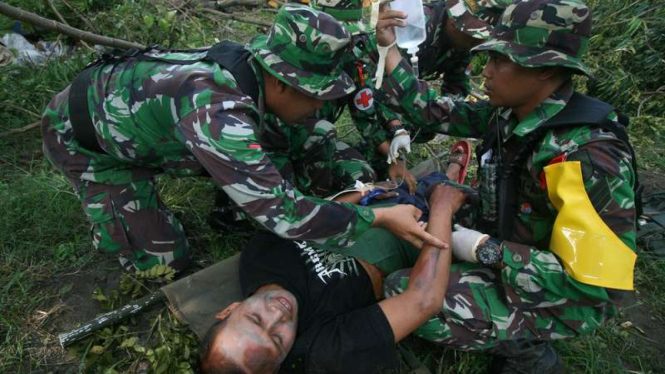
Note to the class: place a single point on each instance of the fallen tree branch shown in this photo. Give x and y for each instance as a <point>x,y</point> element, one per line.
<point>20,129</point>
<point>236,18</point>
<point>72,32</point>
<point>220,4</point>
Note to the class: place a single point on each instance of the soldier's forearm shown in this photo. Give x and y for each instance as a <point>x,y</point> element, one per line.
<point>393,58</point>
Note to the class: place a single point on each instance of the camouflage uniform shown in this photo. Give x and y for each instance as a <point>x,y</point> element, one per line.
<point>437,57</point>
<point>531,297</point>
<point>368,115</point>
<point>154,117</point>
<point>309,154</point>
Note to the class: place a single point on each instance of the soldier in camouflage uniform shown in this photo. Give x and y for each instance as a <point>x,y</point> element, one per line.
<point>367,113</point>
<point>543,279</point>
<point>453,27</point>
<point>152,115</point>
<point>309,155</point>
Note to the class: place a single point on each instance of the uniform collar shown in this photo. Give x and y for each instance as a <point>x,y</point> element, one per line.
<point>546,110</point>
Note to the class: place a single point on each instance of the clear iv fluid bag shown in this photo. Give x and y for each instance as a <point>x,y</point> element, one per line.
<point>413,34</point>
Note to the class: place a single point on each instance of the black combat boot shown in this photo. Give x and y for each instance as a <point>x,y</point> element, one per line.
<point>525,357</point>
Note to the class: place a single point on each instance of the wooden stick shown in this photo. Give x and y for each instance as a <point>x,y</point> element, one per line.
<point>21,129</point>
<point>236,18</point>
<point>110,318</point>
<point>72,32</point>
<point>228,3</point>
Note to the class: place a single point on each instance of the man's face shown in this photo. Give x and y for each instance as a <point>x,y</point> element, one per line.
<point>290,105</point>
<point>508,84</point>
<point>259,332</point>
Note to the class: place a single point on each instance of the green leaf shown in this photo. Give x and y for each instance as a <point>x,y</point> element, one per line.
<point>148,21</point>
<point>97,350</point>
<point>98,295</point>
<point>66,288</point>
<point>164,24</point>
<point>139,349</point>
<point>128,343</point>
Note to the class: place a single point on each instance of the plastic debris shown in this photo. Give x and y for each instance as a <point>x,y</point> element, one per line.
<point>25,53</point>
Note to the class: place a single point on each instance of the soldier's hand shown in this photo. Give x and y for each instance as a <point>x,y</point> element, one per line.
<point>401,141</point>
<point>388,19</point>
<point>398,170</point>
<point>402,221</point>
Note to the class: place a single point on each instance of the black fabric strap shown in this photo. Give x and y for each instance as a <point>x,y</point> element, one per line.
<point>79,112</point>
<point>233,57</point>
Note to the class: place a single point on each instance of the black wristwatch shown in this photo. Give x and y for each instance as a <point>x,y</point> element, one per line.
<point>395,129</point>
<point>489,253</point>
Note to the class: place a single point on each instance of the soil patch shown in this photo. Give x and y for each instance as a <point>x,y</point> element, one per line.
<point>650,326</point>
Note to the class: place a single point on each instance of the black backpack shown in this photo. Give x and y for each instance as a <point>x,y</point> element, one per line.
<point>581,110</point>
<point>229,55</point>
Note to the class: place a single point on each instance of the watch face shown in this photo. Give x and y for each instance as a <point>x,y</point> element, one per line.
<point>489,253</point>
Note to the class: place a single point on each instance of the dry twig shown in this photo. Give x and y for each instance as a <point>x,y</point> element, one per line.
<point>21,129</point>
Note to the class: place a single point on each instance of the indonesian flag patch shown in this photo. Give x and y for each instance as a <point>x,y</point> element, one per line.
<point>364,99</point>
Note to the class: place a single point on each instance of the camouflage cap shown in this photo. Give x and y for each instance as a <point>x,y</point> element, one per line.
<point>304,49</point>
<point>476,17</point>
<point>348,12</point>
<point>536,33</point>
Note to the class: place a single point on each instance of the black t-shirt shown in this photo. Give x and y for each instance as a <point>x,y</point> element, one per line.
<point>341,328</point>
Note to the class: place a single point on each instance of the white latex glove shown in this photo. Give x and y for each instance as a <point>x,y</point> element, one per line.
<point>401,140</point>
<point>465,243</point>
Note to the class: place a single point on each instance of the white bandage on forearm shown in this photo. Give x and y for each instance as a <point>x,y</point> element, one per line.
<point>465,243</point>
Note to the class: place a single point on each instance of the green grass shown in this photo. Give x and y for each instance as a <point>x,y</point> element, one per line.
<point>44,238</point>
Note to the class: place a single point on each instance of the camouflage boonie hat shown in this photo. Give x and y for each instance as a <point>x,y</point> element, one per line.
<point>348,12</point>
<point>304,49</point>
<point>476,17</point>
<point>535,33</point>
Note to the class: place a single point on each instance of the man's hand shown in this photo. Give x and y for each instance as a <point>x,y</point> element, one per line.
<point>466,242</point>
<point>402,221</point>
<point>446,196</point>
<point>398,170</point>
<point>401,140</point>
<point>388,18</point>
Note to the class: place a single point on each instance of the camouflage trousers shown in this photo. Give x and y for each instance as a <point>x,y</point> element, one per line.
<point>476,315</point>
<point>317,163</point>
<point>127,219</point>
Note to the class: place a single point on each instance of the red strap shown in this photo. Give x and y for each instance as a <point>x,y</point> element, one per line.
<point>555,160</point>
<point>360,73</point>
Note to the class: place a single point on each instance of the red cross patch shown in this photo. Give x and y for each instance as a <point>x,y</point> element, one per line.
<point>364,99</point>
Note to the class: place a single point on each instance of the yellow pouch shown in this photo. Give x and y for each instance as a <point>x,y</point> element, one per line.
<point>590,251</point>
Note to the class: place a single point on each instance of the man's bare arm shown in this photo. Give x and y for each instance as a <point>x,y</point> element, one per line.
<point>429,278</point>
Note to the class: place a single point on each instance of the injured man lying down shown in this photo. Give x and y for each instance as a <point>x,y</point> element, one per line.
<point>308,310</point>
